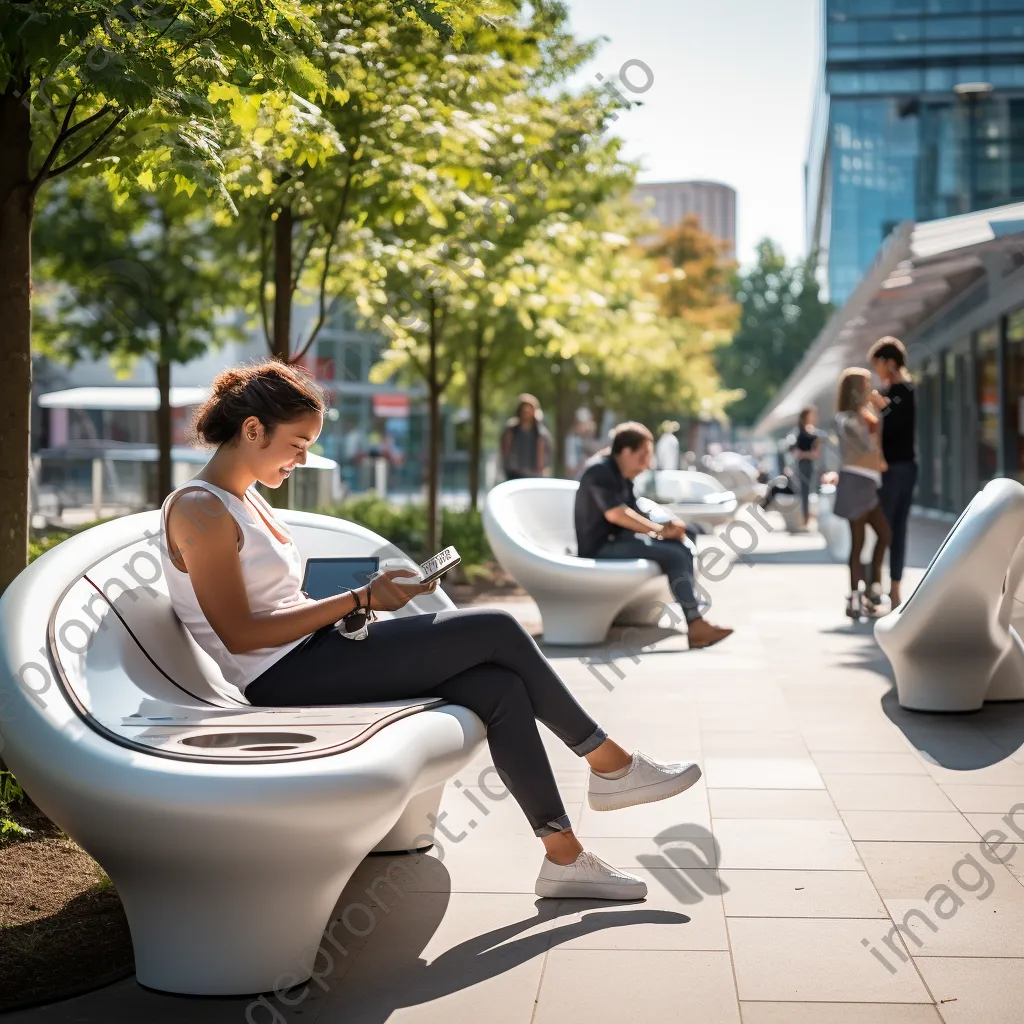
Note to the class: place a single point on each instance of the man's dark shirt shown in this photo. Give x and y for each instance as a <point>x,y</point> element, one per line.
<point>898,423</point>
<point>602,487</point>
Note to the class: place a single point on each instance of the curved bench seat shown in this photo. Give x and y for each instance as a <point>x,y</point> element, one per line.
<point>228,830</point>
<point>530,526</point>
<point>956,641</point>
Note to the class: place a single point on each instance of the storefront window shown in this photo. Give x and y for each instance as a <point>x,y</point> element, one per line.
<point>988,403</point>
<point>1015,392</point>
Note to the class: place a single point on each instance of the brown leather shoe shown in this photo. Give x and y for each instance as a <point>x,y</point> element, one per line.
<point>705,634</point>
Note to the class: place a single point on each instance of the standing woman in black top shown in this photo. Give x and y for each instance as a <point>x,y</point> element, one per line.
<point>889,361</point>
<point>805,449</point>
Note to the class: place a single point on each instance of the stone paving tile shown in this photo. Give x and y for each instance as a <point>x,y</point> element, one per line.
<point>785,844</point>
<point>909,870</point>
<point>761,773</point>
<point>972,990</point>
<point>591,986</point>
<point>751,743</point>
<point>820,960</point>
<point>838,1013</point>
<point>833,763</point>
<point>956,923</point>
<point>886,793</point>
<point>984,798</point>
<point>771,803</point>
<point>908,826</point>
<point>782,893</point>
<point>688,915</point>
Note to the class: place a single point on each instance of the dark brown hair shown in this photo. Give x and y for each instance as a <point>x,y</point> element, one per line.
<point>805,414</point>
<point>630,435</point>
<point>272,391</point>
<point>891,348</point>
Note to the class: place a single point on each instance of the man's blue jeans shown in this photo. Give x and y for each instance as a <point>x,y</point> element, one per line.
<point>675,558</point>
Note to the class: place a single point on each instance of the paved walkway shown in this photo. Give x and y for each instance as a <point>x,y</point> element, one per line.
<point>826,813</point>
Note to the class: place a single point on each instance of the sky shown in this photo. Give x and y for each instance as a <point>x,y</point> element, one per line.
<point>730,102</point>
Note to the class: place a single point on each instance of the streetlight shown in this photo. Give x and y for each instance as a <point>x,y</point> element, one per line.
<point>972,95</point>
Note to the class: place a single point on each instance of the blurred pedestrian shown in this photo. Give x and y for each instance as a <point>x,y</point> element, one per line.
<point>581,444</point>
<point>526,441</point>
<point>860,476</point>
<point>666,451</point>
<point>889,361</point>
<point>805,449</point>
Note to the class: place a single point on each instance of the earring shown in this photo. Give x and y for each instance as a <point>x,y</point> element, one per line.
<point>251,435</point>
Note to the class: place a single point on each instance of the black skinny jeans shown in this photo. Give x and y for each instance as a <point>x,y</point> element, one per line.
<point>805,472</point>
<point>675,558</point>
<point>896,494</point>
<point>481,659</point>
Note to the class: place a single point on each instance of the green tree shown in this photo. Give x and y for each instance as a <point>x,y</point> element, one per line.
<point>139,278</point>
<point>94,86</point>
<point>781,314</point>
<point>474,196</point>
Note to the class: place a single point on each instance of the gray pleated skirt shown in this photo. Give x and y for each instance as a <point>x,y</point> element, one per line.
<point>856,495</point>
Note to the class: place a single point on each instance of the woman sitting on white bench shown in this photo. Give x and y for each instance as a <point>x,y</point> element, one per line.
<point>234,577</point>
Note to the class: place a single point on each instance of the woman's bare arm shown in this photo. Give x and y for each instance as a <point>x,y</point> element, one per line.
<point>207,542</point>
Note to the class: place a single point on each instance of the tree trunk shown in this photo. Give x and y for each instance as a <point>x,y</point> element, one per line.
<point>281,497</point>
<point>477,417</point>
<point>283,285</point>
<point>16,203</point>
<point>433,433</point>
<point>560,426</point>
<point>164,484</point>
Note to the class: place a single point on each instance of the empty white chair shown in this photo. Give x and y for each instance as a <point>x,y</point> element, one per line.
<point>229,831</point>
<point>955,642</point>
<point>735,473</point>
<point>531,529</point>
<point>694,497</point>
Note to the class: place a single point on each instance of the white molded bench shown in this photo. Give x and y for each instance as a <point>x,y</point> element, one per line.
<point>694,497</point>
<point>229,831</point>
<point>956,641</point>
<point>531,529</point>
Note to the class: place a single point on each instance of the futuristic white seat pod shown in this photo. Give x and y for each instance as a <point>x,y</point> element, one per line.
<point>229,831</point>
<point>956,641</point>
<point>531,529</point>
<point>694,497</point>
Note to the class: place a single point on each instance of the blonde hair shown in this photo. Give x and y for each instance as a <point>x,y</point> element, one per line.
<point>852,394</point>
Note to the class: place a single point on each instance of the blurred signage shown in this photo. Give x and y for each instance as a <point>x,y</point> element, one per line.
<point>391,406</point>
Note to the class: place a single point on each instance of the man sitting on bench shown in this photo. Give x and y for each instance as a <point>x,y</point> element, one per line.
<point>609,524</point>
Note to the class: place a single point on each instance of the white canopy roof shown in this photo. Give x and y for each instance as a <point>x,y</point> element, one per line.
<point>129,398</point>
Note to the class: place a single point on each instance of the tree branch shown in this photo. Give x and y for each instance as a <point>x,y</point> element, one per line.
<point>62,135</point>
<point>95,144</point>
<point>342,211</point>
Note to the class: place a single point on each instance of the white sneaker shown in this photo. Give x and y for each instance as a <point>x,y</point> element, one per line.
<point>645,782</point>
<point>588,877</point>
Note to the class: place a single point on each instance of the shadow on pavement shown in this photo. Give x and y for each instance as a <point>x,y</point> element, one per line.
<point>389,972</point>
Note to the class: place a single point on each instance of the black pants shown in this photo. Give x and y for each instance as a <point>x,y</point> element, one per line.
<point>895,495</point>
<point>675,558</point>
<point>481,659</point>
<point>805,472</point>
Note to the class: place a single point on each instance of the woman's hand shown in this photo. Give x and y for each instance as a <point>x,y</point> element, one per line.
<point>387,595</point>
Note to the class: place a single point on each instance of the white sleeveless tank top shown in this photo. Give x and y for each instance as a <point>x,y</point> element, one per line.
<point>271,570</point>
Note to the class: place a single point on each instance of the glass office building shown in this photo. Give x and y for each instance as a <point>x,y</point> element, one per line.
<point>919,116</point>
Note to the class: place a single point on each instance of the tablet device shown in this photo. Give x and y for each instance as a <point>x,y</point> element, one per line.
<point>328,577</point>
